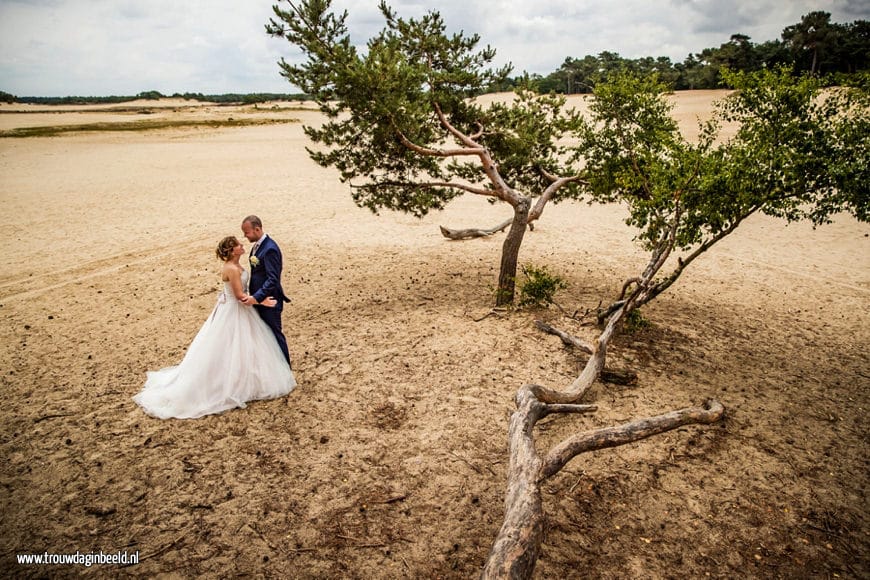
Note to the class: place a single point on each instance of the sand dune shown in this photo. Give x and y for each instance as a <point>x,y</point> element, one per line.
<point>389,459</point>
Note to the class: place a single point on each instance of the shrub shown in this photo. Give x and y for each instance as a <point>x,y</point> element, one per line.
<point>635,321</point>
<point>539,286</point>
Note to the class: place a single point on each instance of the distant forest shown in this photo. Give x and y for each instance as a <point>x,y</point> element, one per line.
<point>227,98</point>
<point>814,46</point>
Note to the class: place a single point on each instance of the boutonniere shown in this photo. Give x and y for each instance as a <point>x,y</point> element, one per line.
<point>255,261</point>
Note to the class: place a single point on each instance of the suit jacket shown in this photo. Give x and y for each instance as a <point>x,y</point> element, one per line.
<point>266,267</point>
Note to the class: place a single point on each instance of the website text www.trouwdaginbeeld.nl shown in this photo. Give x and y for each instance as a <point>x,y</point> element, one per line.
<point>81,558</point>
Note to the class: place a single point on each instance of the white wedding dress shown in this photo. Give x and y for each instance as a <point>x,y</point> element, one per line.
<point>233,359</point>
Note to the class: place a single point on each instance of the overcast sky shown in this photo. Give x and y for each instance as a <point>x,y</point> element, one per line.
<point>124,47</point>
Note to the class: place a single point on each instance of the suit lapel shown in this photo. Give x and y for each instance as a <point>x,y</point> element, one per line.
<point>261,246</point>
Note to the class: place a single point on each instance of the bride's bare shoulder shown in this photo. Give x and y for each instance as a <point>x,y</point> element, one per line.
<point>230,272</point>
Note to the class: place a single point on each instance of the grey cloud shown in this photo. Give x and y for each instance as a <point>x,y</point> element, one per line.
<point>61,47</point>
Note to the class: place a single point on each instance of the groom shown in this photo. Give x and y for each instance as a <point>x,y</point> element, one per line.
<point>266,263</point>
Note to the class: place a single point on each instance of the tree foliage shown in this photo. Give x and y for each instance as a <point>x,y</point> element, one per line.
<point>384,132</point>
<point>403,126</point>
<point>540,286</point>
<point>814,45</point>
<point>799,153</point>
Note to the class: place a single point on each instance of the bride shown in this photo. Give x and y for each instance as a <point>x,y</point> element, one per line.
<point>233,359</point>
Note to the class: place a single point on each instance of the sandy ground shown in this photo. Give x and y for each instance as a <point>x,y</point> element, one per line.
<point>389,459</point>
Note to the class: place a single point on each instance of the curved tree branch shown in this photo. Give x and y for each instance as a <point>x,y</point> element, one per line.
<point>459,135</point>
<point>430,184</point>
<point>567,339</point>
<point>654,290</point>
<point>550,191</point>
<point>437,152</point>
<point>562,453</point>
<point>473,232</point>
<point>501,189</point>
<point>478,134</point>
<point>516,548</point>
<point>625,286</point>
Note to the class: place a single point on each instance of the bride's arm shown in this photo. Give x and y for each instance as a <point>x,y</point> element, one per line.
<point>234,275</point>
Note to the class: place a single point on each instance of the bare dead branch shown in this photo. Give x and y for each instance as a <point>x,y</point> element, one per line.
<point>472,232</point>
<point>515,550</point>
<point>567,339</point>
<point>555,397</point>
<point>563,408</point>
<point>562,453</point>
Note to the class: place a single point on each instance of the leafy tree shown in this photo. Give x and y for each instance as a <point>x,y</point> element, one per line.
<point>150,95</point>
<point>403,127</point>
<point>738,53</point>
<point>815,44</point>
<point>796,156</point>
<point>813,36</point>
<point>852,48</point>
<point>773,54</point>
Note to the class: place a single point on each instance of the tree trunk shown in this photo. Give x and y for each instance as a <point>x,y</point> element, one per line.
<point>517,546</point>
<point>510,254</point>
<point>515,550</point>
<point>622,377</point>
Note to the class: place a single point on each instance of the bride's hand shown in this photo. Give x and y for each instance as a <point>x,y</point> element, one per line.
<point>269,302</point>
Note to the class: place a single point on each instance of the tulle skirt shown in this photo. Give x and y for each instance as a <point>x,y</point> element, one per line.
<point>234,358</point>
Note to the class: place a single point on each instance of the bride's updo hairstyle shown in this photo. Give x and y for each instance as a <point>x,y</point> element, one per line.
<point>225,247</point>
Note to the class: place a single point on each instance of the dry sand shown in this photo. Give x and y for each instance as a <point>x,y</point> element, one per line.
<point>389,460</point>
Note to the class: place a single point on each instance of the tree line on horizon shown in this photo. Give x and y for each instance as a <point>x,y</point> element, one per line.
<point>225,98</point>
<point>813,46</point>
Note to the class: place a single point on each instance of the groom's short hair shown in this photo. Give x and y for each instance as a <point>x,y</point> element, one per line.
<point>254,221</point>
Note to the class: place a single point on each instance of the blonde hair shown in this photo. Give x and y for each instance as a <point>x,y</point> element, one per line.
<point>225,248</point>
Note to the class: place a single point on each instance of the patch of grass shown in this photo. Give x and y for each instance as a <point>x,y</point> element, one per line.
<point>635,322</point>
<point>142,125</point>
<point>539,287</point>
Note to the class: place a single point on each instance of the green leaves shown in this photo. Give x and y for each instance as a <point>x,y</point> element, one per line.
<point>802,150</point>
<point>798,153</point>
<point>404,129</point>
<point>539,287</point>
<point>403,126</point>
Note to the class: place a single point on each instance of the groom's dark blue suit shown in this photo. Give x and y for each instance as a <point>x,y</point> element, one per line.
<point>266,265</point>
